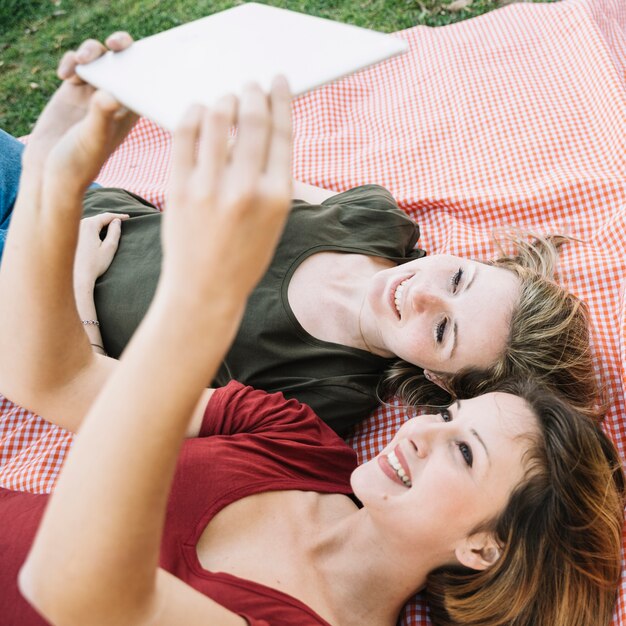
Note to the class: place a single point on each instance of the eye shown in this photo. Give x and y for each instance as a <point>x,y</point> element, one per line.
<point>441,329</point>
<point>446,416</point>
<point>466,451</point>
<point>456,279</point>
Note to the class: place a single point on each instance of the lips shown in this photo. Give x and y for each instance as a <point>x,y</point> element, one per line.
<point>394,465</point>
<point>395,296</point>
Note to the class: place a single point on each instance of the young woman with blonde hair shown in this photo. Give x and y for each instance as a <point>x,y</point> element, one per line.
<point>506,507</point>
<point>548,339</point>
<point>349,310</point>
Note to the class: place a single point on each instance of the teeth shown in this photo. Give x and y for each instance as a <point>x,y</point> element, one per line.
<point>398,295</point>
<point>395,463</point>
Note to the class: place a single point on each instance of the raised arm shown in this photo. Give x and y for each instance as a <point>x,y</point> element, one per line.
<point>46,362</point>
<point>95,558</point>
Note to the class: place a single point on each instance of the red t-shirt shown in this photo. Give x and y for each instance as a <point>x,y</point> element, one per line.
<point>250,442</point>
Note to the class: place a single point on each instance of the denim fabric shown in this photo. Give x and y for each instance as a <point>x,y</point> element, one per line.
<point>10,169</point>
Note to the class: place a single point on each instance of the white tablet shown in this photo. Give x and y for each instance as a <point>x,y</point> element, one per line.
<point>160,76</point>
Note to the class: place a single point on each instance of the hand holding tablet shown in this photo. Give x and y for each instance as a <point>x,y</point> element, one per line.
<point>160,76</point>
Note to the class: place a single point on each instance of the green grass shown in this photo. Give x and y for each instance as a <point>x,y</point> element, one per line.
<point>35,33</point>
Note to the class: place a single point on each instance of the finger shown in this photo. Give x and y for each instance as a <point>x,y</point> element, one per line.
<point>118,41</point>
<point>119,119</point>
<point>100,127</point>
<point>104,219</point>
<point>250,150</point>
<point>279,155</point>
<point>112,239</point>
<point>85,147</point>
<point>113,231</point>
<point>104,103</point>
<point>67,65</point>
<point>184,142</point>
<point>89,51</point>
<point>214,138</point>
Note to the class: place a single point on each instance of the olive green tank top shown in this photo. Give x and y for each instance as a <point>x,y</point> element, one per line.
<point>271,351</point>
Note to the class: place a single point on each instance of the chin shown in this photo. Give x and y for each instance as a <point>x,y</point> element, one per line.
<point>361,482</point>
<point>371,487</point>
<point>355,480</point>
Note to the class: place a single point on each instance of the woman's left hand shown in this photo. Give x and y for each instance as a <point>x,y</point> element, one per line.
<point>70,102</point>
<point>93,254</point>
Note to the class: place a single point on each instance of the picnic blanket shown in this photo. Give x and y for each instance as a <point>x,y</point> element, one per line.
<point>516,117</point>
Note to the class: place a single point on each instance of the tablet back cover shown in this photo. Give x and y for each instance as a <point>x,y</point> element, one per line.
<point>160,76</point>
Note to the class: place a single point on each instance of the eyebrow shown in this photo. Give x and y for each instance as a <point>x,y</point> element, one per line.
<point>455,333</point>
<point>457,408</point>
<point>482,443</point>
<point>455,327</point>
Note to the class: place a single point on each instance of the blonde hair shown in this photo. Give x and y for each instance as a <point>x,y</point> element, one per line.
<point>560,533</point>
<point>549,340</point>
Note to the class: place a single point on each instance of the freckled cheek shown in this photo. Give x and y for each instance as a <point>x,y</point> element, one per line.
<point>445,493</point>
<point>490,336</point>
<point>466,506</point>
<point>413,345</point>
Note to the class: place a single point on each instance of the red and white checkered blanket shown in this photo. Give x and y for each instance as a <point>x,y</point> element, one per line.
<point>516,117</point>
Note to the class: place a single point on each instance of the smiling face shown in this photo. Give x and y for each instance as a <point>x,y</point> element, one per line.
<point>442,313</point>
<point>444,475</point>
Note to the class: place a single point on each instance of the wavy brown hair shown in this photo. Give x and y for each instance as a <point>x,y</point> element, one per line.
<point>560,533</point>
<point>549,340</point>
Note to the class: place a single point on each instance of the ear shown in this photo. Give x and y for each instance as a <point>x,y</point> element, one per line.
<point>479,551</point>
<point>437,379</point>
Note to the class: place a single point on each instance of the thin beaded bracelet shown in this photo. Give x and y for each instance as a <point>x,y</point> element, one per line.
<point>90,322</point>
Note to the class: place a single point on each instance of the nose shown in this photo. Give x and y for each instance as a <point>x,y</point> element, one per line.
<point>425,435</point>
<point>425,299</point>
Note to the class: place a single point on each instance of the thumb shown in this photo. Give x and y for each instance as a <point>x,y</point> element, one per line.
<point>80,154</point>
<point>104,110</point>
<point>112,239</point>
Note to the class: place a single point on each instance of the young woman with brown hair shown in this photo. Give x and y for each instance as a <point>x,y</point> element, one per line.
<point>492,504</point>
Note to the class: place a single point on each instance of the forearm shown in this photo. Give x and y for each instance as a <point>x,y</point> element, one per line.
<point>46,362</point>
<point>42,344</point>
<point>107,513</point>
<point>86,306</point>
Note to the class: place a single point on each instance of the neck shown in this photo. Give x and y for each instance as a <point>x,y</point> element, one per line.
<point>366,578</point>
<point>347,284</point>
<point>338,284</point>
<point>364,341</point>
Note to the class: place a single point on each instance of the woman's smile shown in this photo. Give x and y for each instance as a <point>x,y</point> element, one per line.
<point>396,291</point>
<point>394,465</point>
